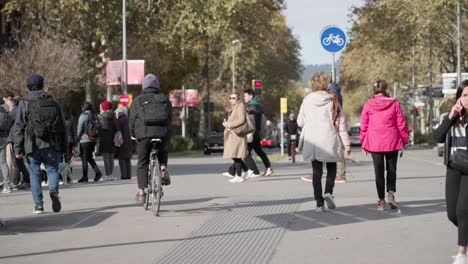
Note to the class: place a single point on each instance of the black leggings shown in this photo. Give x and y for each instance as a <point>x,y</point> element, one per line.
<point>87,150</point>
<point>317,171</point>
<point>382,161</point>
<point>238,166</point>
<point>456,197</point>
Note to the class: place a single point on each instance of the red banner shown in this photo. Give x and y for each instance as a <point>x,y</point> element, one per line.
<point>135,72</point>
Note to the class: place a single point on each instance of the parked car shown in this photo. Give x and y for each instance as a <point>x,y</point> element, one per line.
<point>354,133</point>
<point>214,143</point>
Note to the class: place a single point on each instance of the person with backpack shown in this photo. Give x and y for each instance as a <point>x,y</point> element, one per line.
<point>5,125</point>
<point>106,138</point>
<point>254,108</point>
<point>40,137</point>
<point>383,134</point>
<point>324,136</point>
<point>150,118</point>
<point>88,131</point>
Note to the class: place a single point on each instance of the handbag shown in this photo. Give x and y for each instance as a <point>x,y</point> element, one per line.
<point>118,139</point>
<point>247,127</point>
<point>460,161</point>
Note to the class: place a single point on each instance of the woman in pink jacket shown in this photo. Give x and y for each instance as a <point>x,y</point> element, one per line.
<point>383,133</point>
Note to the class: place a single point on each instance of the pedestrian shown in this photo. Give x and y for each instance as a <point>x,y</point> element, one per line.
<point>40,137</point>
<point>235,146</point>
<point>72,138</point>
<point>8,95</point>
<point>324,137</point>
<point>125,148</point>
<point>291,128</point>
<point>151,118</point>
<point>254,108</point>
<point>453,132</point>
<point>383,134</point>
<point>106,138</point>
<point>87,142</point>
<point>5,164</point>
<point>19,172</point>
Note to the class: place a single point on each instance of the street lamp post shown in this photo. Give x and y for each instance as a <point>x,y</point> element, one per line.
<point>124,46</point>
<point>233,44</point>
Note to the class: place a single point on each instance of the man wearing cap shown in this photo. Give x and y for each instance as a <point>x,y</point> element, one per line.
<point>38,148</point>
<point>150,118</point>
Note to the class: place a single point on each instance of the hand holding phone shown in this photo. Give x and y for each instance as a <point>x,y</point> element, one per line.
<point>456,109</point>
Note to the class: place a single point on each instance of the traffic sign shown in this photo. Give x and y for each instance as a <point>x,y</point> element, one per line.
<point>333,39</point>
<point>284,105</point>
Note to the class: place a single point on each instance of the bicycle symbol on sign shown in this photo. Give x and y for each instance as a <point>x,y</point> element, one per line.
<point>333,39</point>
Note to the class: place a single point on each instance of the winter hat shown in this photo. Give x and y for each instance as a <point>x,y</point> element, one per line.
<point>106,106</point>
<point>150,80</point>
<point>35,80</point>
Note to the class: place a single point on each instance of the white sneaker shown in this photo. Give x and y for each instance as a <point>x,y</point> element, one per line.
<point>459,259</point>
<point>319,209</point>
<point>236,179</point>
<point>43,184</point>
<point>329,200</point>
<point>6,189</point>
<point>108,178</point>
<point>227,174</point>
<point>251,174</point>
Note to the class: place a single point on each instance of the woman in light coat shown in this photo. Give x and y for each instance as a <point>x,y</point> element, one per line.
<point>235,146</point>
<point>383,133</point>
<point>324,136</point>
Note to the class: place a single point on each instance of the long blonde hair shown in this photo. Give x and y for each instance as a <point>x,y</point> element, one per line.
<point>319,82</point>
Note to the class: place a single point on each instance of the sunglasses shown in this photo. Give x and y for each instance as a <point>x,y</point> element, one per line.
<point>232,98</point>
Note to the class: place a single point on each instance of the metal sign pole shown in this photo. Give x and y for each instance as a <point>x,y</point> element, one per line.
<point>282,134</point>
<point>124,46</point>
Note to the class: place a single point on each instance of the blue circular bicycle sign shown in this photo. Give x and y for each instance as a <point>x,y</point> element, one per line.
<point>333,39</point>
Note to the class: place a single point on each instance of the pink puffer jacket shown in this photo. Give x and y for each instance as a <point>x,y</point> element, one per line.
<point>383,125</point>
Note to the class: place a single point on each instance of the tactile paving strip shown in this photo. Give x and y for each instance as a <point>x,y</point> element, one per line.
<point>237,235</point>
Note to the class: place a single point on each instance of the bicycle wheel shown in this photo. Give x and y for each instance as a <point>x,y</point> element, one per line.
<point>293,152</point>
<point>148,193</point>
<point>156,193</point>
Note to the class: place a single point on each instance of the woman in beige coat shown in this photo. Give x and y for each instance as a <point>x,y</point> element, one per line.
<point>235,147</point>
<point>324,135</point>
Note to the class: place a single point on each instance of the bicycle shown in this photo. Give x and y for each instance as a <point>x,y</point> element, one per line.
<point>154,180</point>
<point>292,147</point>
<point>333,39</point>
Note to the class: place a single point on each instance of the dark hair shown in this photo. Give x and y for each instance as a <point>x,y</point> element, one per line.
<point>87,106</point>
<point>35,87</point>
<point>9,94</point>
<point>14,100</point>
<point>250,92</point>
<point>380,86</point>
<point>460,89</point>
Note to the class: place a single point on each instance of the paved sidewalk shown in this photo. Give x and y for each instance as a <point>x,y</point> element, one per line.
<point>206,219</point>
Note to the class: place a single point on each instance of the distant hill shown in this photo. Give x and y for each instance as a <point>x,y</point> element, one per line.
<point>311,69</point>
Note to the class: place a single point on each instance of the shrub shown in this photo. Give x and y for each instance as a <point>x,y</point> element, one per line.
<point>180,144</point>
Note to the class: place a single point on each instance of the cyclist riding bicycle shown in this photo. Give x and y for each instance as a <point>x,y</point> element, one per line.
<point>291,128</point>
<point>150,118</point>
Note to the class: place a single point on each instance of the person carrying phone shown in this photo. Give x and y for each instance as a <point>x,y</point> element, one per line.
<point>383,134</point>
<point>452,131</point>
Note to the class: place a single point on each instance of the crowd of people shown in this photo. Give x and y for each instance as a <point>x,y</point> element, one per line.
<point>40,131</point>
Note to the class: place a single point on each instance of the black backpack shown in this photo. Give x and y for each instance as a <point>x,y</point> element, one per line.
<point>5,121</point>
<point>107,121</point>
<point>44,117</point>
<point>93,127</point>
<point>155,111</point>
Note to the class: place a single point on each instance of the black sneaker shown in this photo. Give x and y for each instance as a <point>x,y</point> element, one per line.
<point>83,179</point>
<point>98,177</point>
<point>38,209</point>
<point>56,205</point>
<point>165,178</point>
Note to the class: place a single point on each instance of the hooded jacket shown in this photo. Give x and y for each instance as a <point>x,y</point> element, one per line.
<point>322,141</point>
<point>383,125</point>
<point>25,141</point>
<point>253,108</point>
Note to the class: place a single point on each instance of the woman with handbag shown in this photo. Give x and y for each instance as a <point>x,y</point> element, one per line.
<point>324,137</point>
<point>383,134</point>
<point>453,131</point>
<point>235,145</point>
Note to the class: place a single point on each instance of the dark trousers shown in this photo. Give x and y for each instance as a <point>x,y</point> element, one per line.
<point>382,161</point>
<point>87,150</point>
<point>125,169</point>
<point>456,197</point>
<point>238,167</point>
<point>144,150</point>
<point>317,172</point>
<point>20,169</point>
<point>232,168</point>
<point>250,162</point>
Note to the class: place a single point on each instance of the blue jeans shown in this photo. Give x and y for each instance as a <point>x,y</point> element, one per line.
<point>50,158</point>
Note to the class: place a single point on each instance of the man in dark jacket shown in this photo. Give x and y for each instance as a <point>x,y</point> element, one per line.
<point>291,128</point>
<point>38,149</point>
<point>144,131</point>
<point>253,108</point>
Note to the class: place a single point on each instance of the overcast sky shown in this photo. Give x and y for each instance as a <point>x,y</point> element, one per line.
<point>307,18</point>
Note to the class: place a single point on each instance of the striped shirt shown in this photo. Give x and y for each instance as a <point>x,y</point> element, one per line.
<point>458,137</point>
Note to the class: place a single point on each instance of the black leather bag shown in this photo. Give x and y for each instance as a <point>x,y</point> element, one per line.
<point>460,161</point>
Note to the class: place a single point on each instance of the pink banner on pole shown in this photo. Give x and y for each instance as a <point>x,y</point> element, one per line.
<point>113,72</point>
<point>191,98</point>
<point>135,72</point>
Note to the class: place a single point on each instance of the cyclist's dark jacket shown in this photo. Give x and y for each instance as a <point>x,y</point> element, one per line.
<point>291,127</point>
<point>137,127</point>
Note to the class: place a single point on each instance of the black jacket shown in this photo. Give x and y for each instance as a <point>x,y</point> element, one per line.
<point>138,129</point>
<point>25,141</point>
<point>291,127</point>
<point>255,110</point>
<point>442,134</point>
